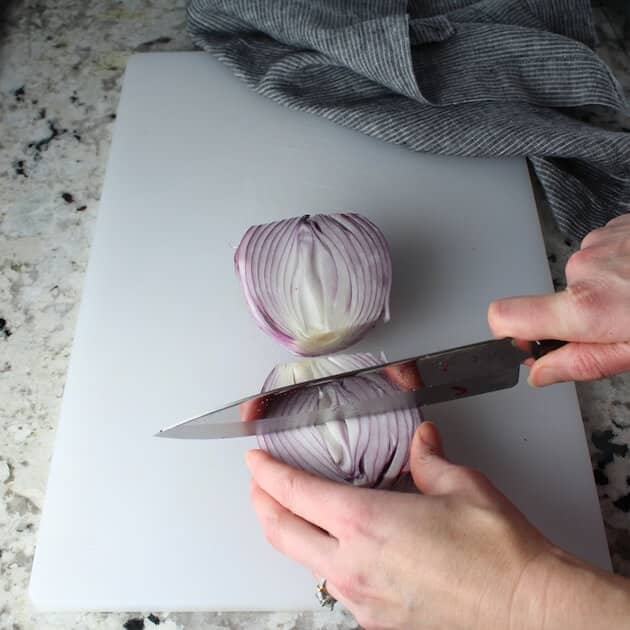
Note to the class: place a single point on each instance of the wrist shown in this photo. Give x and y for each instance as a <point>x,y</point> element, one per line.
<point>558,591</point>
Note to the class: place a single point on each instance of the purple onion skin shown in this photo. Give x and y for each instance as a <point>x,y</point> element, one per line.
<point>367,452</point>
<point>316,283</point>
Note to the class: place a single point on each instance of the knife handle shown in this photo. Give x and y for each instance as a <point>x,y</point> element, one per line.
<point>541,348</point>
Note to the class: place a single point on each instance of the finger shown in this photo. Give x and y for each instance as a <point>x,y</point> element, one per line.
<point>405,375</point>
<point>593,237</point>
<point>534,317</point>
<point>427,460</point>
<point>293,536</point>
<point>254,409</point>
<point>607,244</point>
<point>569,315</point>
<point>603,235</point>
<point>623,219</point>
<point>434,475</point>
<point>321,502</point>
<point>525,346</point>
<point>430,440</point>
<point>581,362</point>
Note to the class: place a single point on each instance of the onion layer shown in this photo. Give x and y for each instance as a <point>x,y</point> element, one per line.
<point>316,283</point>
<point>368,451</point>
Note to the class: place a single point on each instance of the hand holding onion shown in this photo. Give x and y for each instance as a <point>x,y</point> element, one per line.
<point>460,556</point>
<point>593,312</point>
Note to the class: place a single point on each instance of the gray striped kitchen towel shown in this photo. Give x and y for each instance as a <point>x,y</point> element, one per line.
<point>455,77</point>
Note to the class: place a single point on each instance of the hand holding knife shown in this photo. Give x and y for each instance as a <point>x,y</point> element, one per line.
<point>423,380</point>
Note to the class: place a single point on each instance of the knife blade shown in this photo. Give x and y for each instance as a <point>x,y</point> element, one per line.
<point>423,380</point>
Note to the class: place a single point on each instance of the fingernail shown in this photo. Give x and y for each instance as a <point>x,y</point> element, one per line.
<point>429,435</point>
<point>497,312</point>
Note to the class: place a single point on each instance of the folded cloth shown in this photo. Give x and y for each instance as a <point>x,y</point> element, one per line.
<point>456,77</point>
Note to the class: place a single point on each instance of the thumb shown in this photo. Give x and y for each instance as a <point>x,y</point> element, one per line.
<point>427,461</point>
<point>581,362</point>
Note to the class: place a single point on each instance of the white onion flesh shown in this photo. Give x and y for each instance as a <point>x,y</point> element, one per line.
<point>370,451</point>
<point>316,283</point>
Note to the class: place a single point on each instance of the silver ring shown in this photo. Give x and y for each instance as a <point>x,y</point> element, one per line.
<point>324,598</point>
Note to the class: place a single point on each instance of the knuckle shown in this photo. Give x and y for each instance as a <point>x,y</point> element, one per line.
<point>623,219</point>
<point>474,483</point>
<point>290,489</point>
<point>358,521</point>
<point>476,479</point>
<point>579,262</point>
<point>593,237</point>
<point>456,478</point>
<point>449,479</point>
<point>593,311</point>
<point>586,296</point>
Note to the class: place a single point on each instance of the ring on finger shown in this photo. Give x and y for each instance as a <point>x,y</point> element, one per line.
<point>325,599</point>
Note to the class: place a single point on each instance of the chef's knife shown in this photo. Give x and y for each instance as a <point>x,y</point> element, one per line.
<point>424,380</point>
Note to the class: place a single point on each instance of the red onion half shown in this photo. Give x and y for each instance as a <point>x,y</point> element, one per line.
<point>316,283</point>
<point>371,451</point>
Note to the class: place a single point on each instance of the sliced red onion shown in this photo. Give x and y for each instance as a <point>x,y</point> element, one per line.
<point>371,451</point>
<point>316,283</point>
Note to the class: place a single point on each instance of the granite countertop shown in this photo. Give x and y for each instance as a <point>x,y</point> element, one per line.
<point>61,65</point>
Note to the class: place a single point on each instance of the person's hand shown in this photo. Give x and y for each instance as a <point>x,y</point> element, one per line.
<point>593,312</point>
<point>459,557</point>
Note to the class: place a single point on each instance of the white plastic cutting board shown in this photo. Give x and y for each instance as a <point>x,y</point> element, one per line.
<point>132,522</point>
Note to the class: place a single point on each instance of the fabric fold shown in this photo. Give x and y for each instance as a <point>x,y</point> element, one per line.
<point>475,78</point>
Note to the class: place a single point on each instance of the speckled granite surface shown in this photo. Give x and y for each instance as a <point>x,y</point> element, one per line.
<point>60,68</point>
